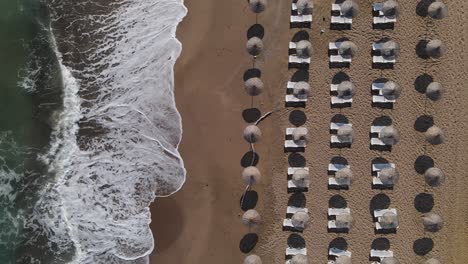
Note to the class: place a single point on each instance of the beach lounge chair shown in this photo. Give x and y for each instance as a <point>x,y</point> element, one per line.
<point>333,168</point>
<point>293,210</point>
<point>334,56</point>
<point>296,251</point>
<point>339,19</point>
<point>301,19</point>
<point>380,254</point>
<point>291,99</point>
<point>380,213</point>
<point>336,252</point>
<point>333,128</point>
<point>291,170</point>
<point>378,86</point>
<point>293,59</point>
<point>376,168</point>
<point>381,18</point>
<point>377,59</point>
<point>335,100</point>
<point>290,144</point>
<point>292,186</point>
<point>375,141</point>
<point>333,212</point>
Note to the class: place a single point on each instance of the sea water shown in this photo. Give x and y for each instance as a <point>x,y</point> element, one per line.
<point>89,127</point>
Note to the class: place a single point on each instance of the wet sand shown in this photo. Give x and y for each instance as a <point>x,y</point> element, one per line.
<point>201,223</point>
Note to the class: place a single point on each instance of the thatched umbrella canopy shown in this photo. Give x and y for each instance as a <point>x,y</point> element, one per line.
<point>391,90</point>
<point>435,48</point>
<point>301,90</point>
<point>344,221</point>
<point>254,86</point>
<point>299,259</point>
<point>252,259</point>
<point>300,177</point>
<point>434,135</point>
<point>434,176</point>
<point>343,260</point>
<point>389,220</point>
<point>390,49</point>
<point>344,176</point>
<point>345,88</point>
<point>252,134</point>
<point>349,8</point>
<point>251,218</point>
<point>254,46</point>
<point>347,48</point>
<point>258,6</point>
<point>434,91</point>
<point>391,8</point>
<point>433,222</point>
<point>304,6</point>
<point>345,133</point>
<point>300,220</point>
<point>389,135</point>
<point>391,260</point>
<point>432,261</point>
<point>251,175</point>
<point>437,10</point>
<point>304,49</point>
<point>299,134</point>
<point>389,176</point>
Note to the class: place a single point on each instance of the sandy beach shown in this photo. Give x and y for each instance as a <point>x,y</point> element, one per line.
<point>201,223</point>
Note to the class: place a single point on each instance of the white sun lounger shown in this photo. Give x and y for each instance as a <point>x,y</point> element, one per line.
<point>338,211</point>
<point>292,185</point>
<point>338,252</point>
<point>377,142</point>
<point>293,210</point>
<point>336,7</point>
<point>292,144</point>
<point>381,253</point>
<point>296,251</point>
<point>290,131</point>
<point>291,170</point>
<point>295,59</point>
<point>378,86</point>
<point>376,129</point>
<point>341,20</point>
<point>339,59</point>
<point>381,59</point>
<point>290,98</point>
<point>379,99</point>
<point>336,126</point>
<point>381,19</point>
<point>332,181</point>
<point>337,167</point>
<point>292,45</point>
<point>334,45</point>
<point>381,212</point>
<point>301,19</point>
<point>376,46</point>
<point>293,6</point>
<point>334,87</point>
<point>337,100</point>
<point>290,85</point>
<point>376,167</point>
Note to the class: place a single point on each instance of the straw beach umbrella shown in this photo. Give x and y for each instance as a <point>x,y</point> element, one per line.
<point>347,48</point>
<point>391,90</point>
<point>434,135</point>
<point>254,46</point>
<point>391,260</point>
<point>391,8</point>
<point>301,90</point>
<point>257,6</point>
<point>389,220</point>
<point>345,88</point>
<point>390,48</point>
<point>437,10</point>
<point>304,6</point>
<point>252,134</point>
<point>299,134</point>
<point>304,49</point>
<point>434,177</point>
<point>343,260</point>
<point>254,86</point>
<point>344,221</point>
<point>434,91</point>
<point>389,176</point>
<point>344,176</point>
<point>345,133</point>
<point>389,135</point>
<point>433,222</point>
<point>349,8</point>
<point>300,220</point>
<point>252,259</point>
<point>432,261</point>
<point>251,175</point>
<point>435,48</point>
<point>300,177</point>
<point>299,259</point>
<point>251,218</point>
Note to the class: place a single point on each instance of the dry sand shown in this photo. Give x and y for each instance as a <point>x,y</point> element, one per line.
<point>201,223</point>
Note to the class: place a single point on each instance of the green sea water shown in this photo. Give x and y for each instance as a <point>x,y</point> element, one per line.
<point>29,96</point>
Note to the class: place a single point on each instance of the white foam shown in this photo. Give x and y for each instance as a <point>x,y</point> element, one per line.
<point>98,206</point>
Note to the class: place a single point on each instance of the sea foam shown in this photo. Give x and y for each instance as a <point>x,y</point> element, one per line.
<point>115,141</point>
